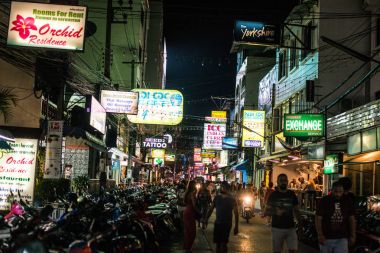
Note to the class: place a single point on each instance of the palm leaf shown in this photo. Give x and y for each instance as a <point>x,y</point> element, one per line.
<point>8,100</point>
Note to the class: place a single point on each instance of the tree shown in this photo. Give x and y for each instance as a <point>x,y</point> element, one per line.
<point>7,101</point>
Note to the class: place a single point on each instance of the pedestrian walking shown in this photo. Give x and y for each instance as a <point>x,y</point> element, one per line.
<point>225,204</point>
<point>203,204</point>
<point>189,216</point>
<point>268,192</point>
<point>261,196</point>
<point>282,206</point>
<point>335,221</point>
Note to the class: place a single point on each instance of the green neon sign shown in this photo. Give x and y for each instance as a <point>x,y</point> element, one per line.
<point>304,125</point>
<point>332,164</point>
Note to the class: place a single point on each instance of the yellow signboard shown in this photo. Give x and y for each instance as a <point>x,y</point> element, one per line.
<point>158,107</point>
<point>219,114</point>
<point>158,153</point>
<point>253,129</point>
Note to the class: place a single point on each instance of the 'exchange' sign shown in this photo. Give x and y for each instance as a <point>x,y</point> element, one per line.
<point>304,125</point>
<point>47,25</point>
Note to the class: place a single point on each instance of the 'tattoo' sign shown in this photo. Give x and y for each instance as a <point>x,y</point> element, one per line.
<point>213,136</point>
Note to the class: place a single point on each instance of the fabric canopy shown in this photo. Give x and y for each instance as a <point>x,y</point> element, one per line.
<point>241,166</point>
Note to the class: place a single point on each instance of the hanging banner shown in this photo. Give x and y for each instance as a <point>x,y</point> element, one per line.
<point>17,170</point>
<point>53,160</point>
<point>213,135</point>
<point>47,26</point>
<point>223,161</point>
<point>158,107</point>
<point>253,129</point>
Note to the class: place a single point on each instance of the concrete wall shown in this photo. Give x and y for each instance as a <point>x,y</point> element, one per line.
<point>27,111</point>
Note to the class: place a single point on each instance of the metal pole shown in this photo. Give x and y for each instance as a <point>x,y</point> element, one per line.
<point>107,47</point>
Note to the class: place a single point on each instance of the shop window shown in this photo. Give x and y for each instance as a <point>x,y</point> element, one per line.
<point>378,138</point>
<point>363,178</point>
<point>292,54</point>
<point>378,32</point>
<point>306,39</point>
<point>281,64</point>
<point>354,144</point>
<point>369,140</point>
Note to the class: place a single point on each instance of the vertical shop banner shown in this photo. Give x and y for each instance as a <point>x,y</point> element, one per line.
<point>197,155</point>
<point>223,159</point>
<point>76,159</point>
<point>53,160</point>
<point>253,129</point>
<point>213,136</point>
<point>17,170</point>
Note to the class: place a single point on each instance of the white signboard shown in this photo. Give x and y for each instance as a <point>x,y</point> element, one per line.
<point>47,25</point>
<point>223,158</point>
<point>53,160</point>
<point>158,107</point>
<point>17,170</point>
<point>97,116</point>
<point>213,135</point>
<point>119,101</point>
<point>253,129</point>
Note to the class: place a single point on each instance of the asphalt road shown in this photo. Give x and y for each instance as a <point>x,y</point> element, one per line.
<point>253,237</point>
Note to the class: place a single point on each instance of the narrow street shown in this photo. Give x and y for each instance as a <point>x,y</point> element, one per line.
<point>254,237</point>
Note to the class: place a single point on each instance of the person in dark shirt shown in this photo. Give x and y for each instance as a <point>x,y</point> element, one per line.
<point>335,221</point>
<point>225,204</point>
<point>282,206</point>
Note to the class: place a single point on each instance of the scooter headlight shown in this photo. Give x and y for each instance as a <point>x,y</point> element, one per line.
<point>247,199</point>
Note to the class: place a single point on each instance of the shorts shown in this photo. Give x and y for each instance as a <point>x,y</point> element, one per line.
<point>279,235</point>
<point>222,232</point>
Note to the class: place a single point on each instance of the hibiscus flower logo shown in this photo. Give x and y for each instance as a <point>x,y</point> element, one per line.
<point>22,26</point>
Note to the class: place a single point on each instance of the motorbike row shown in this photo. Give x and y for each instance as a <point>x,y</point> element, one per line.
<point>131,220</point>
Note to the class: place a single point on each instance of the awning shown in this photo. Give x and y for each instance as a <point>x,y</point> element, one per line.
<point>241,166</point>
<point>6,136</point>
<point>273,157</point>
<point>4,145</point>
<point>90,139</point>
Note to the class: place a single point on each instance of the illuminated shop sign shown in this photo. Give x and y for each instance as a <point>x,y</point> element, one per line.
<point>219,114</point>
<point>213,135</point>
<point>304,125</point>
<point>256,33</point>
<point>155,142</point>
<point>158,107</point>
<point>17,170</point>
<point>158,153</point>
<point>216,120</point>
<point>230,143</point>
<point>253,129</point>
<point>333,164</point>
<point>47,26</point>
<point>120,101</point>
<point>97,114</point>
<point>169,157</point>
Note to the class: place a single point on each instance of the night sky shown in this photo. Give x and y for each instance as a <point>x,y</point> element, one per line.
<point>199,38</point>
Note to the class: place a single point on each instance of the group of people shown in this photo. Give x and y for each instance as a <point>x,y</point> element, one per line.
<point>335,217</point>
<point>335,214</point>
<point>199,205</point>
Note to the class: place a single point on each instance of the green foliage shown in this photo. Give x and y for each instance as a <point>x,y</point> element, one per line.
<point>81,183</point>
<point>7,101</point>
<point>47,188</point>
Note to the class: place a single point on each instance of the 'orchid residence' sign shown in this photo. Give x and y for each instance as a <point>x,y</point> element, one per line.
<point>47,26</point>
